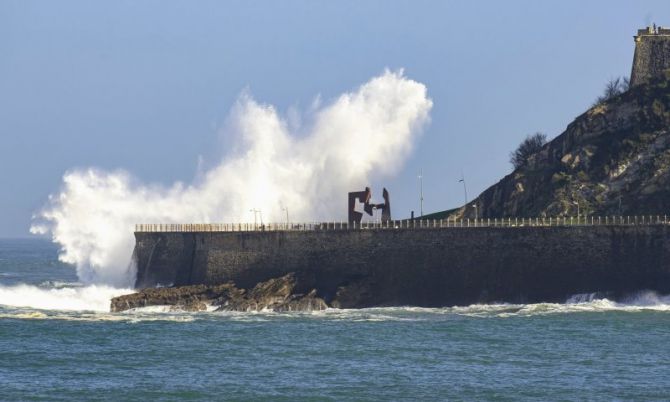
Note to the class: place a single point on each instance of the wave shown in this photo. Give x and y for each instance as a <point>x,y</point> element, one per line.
<point>74,301</point>
<point>646,300</point>
<point>354,140</point>
<point>60,296</point>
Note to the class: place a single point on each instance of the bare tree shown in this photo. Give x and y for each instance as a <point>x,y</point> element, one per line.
<point>532,144</point>
<point>613,88</point>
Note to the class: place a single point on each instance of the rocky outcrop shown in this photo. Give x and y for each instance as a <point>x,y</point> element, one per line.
<point>275,294</point>
<point>612,160</point>
<point>189,298</point>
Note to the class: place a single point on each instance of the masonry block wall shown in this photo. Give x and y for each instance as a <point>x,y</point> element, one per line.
<point>652,55</point>
<point>421,267</point>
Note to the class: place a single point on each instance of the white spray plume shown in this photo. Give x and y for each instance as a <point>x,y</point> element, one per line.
<point>361,135</point>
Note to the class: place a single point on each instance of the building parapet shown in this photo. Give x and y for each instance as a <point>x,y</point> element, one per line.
<point>653,31</point>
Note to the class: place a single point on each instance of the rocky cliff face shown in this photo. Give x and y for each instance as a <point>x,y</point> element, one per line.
<point>612,160</point>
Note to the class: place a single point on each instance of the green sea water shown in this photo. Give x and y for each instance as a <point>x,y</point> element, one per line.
<point>59,342</point>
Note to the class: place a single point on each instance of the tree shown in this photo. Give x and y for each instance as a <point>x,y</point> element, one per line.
<point>532,144</point>
<point>613,88</point>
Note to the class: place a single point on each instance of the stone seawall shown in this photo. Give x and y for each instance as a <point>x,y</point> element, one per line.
<point>420,267</point>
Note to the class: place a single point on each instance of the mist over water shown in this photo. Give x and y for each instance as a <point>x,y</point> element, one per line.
<point>357,138</point>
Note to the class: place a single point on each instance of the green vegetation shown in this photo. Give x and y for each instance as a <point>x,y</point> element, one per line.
<point>532,144</point>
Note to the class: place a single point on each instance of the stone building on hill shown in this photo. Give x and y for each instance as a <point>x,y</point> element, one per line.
<point>652,54</point>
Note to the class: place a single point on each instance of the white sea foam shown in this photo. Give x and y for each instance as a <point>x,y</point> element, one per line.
<point>349,143</point>
<point>86,298</point>
<point>592,302</point>
<point>86,304</point>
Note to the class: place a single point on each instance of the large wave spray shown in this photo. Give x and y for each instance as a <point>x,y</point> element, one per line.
<point>360,136</point>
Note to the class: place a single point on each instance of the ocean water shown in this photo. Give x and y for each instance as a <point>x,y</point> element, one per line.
<point>59,342</point>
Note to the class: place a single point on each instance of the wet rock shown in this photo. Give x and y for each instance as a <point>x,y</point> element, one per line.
<point>308,302</point>
<point>184,297</point>
<point>190,307</point>
<point>356,294</point>
<point>275,295</point>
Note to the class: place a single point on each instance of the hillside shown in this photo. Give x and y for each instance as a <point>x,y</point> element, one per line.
<point>612,160</point>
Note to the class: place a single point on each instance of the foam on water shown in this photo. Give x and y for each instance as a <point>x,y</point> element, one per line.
<point>68,298</point>
<point>73,301</point>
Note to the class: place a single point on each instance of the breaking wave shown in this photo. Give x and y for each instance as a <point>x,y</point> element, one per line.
<point>91,303</point>
<point>272,163</point>
<point>60,297</point>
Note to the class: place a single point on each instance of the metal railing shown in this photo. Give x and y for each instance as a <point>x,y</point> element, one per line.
<point>408,224</point>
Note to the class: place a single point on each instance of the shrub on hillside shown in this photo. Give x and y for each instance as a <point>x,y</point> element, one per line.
<point>613,88</point>
<point>529,146</point>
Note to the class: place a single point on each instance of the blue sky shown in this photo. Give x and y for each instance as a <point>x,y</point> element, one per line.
<point>146,86</point>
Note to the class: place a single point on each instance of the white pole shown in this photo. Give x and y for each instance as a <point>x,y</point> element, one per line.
<point>421,191</point>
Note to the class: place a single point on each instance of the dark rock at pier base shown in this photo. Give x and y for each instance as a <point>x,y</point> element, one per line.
<point>189,298</point>
<point>276,294</point>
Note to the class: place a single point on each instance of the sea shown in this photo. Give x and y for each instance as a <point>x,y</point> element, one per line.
<point>58,341</point>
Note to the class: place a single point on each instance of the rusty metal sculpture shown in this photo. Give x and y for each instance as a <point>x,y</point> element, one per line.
<point>364,197</point>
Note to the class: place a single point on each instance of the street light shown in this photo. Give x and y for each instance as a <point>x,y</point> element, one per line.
<point>577,203</point>
<point>286,209</point>
<point>421,190</point>
<point>465,190</point>
<point>255,211</point>
<point>476,213</point>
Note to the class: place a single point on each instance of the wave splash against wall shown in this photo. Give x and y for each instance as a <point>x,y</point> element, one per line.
<point>361,135</point>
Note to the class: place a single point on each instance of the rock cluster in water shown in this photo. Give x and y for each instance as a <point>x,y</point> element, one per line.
<point>276,294</point>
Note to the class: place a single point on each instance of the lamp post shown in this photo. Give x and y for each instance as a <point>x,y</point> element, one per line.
<point>256,211</point>
<point>286,209</point>
<point>421,190</point>
<point>577,203</point>
<point>465,189</point>
<point>476,213</point>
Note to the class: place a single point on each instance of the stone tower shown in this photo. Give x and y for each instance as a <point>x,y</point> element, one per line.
<point>652,54</point>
